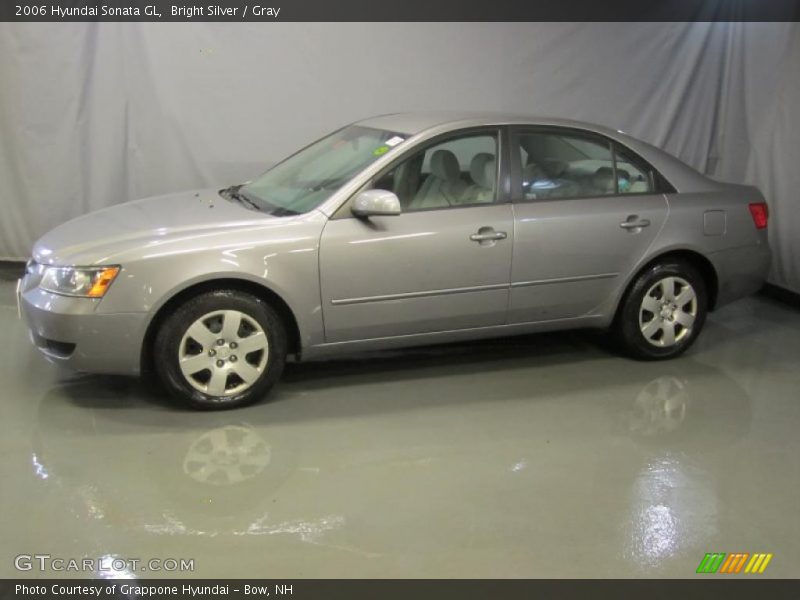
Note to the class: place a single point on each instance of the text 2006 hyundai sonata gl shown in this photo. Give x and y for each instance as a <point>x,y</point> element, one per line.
<point>395,231</point>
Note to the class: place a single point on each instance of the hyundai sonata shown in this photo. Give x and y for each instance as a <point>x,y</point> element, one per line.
<point>399,230</point>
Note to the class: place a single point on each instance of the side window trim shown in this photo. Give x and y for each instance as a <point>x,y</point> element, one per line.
<point>452,136</point>
<point>613,148</point>
<point>502,176</point>
<point>659,183</point>
<point>516,156</point>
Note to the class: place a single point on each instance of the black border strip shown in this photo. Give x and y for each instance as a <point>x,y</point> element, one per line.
<point>702,587</point>
<point>419,10</point>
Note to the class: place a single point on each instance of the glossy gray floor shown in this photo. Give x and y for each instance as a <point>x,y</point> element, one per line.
<point>543,456</point>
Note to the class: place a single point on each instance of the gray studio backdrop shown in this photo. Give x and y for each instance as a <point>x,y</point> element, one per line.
<point>96,114</point>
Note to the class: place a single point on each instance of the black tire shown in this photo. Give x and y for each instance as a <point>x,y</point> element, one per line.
<point>628,329</point>
<point>169,339</point>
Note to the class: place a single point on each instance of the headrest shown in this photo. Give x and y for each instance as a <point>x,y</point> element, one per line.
<point>482,170</point>
<point>555,168</point>
<point>603,179</point>
<point>444,165</point>
<point>533,172</point>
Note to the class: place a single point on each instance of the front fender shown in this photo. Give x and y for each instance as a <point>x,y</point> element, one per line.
<point>287,264</point>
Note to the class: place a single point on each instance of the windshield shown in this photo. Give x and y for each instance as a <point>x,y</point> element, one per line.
<point>306,179</point>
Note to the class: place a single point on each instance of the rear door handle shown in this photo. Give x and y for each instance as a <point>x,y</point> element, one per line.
<point>487,236</point>
<point>634,222</point>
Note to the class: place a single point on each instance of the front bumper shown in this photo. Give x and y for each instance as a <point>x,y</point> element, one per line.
<point>72,332</point>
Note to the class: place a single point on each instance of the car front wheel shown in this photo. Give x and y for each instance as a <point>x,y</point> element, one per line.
<point>663,312</point>
<point>222,349</point>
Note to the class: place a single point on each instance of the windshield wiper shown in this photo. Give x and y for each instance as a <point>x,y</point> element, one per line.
<point>233,193</point>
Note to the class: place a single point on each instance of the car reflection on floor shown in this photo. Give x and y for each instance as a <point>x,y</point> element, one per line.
<point>413,454</point>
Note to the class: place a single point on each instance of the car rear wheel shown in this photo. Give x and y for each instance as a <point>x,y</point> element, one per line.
<point>663,312</point>
<point>221,349</point>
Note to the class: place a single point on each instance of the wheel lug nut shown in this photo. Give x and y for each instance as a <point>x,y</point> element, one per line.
<point>220,363</point>
<point>220,342</point>
<point>233,358</point>
<point>212,352</point>
<point>234,345</point>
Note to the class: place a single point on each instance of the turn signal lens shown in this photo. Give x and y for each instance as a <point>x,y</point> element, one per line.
<point>760,213</point>
<point>102,281</point>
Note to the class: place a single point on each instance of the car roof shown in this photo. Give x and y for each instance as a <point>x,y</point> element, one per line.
<point>412,123</point>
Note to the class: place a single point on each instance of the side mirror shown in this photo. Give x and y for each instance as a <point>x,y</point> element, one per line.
<point>376,203</point>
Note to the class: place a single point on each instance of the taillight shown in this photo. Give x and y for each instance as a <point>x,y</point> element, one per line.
<point>760,213</point>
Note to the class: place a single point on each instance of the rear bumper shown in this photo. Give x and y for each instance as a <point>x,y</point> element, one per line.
<point>740,271</point>
<point>70,332</point>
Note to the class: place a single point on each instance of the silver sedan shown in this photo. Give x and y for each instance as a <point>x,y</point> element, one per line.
<point>399,230</point>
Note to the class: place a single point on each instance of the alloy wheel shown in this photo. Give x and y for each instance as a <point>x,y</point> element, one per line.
<point>223,353</point>
<point>668,312</point>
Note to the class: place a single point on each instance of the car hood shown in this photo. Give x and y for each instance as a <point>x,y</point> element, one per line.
<point>100,237</point>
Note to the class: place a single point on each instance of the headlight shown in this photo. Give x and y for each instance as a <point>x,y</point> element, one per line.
<point>89,282</point>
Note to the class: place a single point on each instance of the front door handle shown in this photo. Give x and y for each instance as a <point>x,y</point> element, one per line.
<point>634,222</point>
<point>486,235</point>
